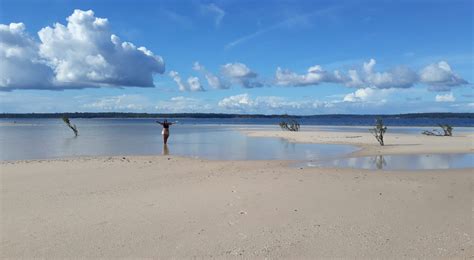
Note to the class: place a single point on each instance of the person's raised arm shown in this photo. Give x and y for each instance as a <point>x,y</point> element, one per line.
<point>159,122</point>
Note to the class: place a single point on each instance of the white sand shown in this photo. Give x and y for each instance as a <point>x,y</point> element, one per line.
<point>178,207</point>
<point>394,143</point>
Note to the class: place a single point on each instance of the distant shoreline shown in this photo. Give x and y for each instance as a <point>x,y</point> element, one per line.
<point>119,115</point>
<point>421,119</point>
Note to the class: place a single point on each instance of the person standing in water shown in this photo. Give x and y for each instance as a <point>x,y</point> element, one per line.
<point>166,130</point>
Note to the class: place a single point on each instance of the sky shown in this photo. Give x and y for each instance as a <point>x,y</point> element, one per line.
<point>237,56</point>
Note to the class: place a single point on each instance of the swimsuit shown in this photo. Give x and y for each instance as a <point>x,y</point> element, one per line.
<point>165,130</point>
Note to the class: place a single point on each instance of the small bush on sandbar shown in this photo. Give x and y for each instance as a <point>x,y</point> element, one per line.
<point>290,125</point>
<point>379,130</point>
<point>447,131</point>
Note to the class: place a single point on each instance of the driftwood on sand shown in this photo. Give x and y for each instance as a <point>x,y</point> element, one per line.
<point>447,131</point>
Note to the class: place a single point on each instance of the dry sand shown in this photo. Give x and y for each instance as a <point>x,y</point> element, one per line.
<point>166,206</point>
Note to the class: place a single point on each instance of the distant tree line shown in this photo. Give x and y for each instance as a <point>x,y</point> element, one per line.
<point>218,115</point>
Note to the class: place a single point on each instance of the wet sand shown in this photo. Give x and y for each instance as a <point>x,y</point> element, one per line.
<point>166,206</point>
<point>394,143</point>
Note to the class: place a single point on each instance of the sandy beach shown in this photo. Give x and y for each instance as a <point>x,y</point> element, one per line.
<point>395,143</point>
<point>217,129</point>
<point>168,206</point>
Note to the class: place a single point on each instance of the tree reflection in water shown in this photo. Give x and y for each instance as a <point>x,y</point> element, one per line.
<point>379,162</point>
<point>401,162</point>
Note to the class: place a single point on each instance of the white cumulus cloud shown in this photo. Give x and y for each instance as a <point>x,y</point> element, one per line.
<point>448,97</point>
<point>398,77</point>
<point>239,73</point>
<point>193,83</point>
<point>119,103</point>
<point>175,76</point>
<point>314,76</point>
<point>213,81</point>
<point>182,104</point>
<point>368,95</point>
<point>440,77</point>
<point>269,104</point>
<point>236,102</point>
<point>230,74</point>
<point>20,65</point>
<point>83,53</point>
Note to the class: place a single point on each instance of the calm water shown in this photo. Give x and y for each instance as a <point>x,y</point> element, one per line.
<point>50,138</point>
<point>400,162</point>
<point>331,120</point>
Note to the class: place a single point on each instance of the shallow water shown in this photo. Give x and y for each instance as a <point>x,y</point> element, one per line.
<point>400,162</point>
<point>50,138</point>
<point>321,120</point>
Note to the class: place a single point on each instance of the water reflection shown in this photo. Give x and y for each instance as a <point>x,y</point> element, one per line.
<point>51,139</point>
<point>401,162</point>
<point>380,162</point>
<point>166,151</point>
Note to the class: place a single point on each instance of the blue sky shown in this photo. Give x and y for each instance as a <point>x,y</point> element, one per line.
<point>296,57</point>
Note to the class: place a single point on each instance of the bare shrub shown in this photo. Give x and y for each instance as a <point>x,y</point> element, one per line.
<point>73,127</point>
<point>290,125</point>
<point>447,131</point>
<point>379,130</point>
